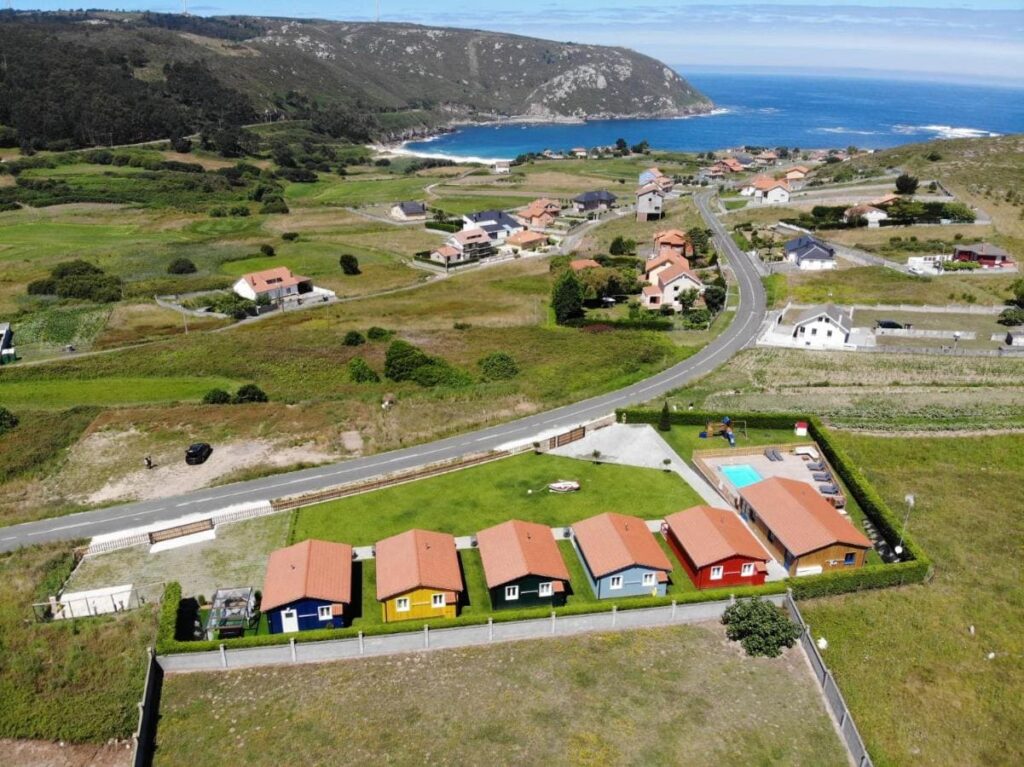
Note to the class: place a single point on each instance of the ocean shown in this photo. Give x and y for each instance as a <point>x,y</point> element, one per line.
<point>772,110</point>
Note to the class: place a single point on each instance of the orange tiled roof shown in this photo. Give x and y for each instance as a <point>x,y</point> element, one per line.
<point>417,559</point>
<point>311,569</point>
<point>515,549</point>
<point>273,279</point>
<point>579,264</point>
<point>709,535</point>
<point>612,542</point>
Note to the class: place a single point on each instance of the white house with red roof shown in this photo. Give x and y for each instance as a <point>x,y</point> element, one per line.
<point>668,277</point>
<point>275,284</point>
<point>766,189</point>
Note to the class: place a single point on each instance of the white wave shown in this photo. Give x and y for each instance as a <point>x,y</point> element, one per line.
<point>850,131</point>
<point>944,131</point>
<point>403,151</point>
<point>713,113</point>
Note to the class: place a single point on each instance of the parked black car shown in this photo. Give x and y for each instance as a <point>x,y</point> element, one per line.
<point>198,453</point>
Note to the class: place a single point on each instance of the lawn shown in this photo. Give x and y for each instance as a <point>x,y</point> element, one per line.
<point>458,203</point>
<point>923,689</point>
<point>110,391</point>
<point>879,285</point>
<point>333,190</point>
<point>466,501</point>
<point>538,702</point>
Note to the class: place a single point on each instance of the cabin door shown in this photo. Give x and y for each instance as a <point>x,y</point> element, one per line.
<point>289,620</point>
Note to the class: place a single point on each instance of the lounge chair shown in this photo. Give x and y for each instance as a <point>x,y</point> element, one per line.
<point>768,454</point>
<point>822,476</point>
<point>828,489</point>
<point>777,454</point>
<point>816,467</point>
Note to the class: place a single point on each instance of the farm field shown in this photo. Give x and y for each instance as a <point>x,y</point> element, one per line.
<point>866,391</point>
<point>542,701</point>
<point>892,649</point>
<point>910,239</point>
<point>59,394</point>
<point>984,326</point>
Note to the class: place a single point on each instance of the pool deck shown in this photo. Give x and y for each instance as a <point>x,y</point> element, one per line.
<point>791,466</point>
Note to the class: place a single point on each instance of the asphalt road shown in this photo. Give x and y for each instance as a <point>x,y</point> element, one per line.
<point>744,327</point>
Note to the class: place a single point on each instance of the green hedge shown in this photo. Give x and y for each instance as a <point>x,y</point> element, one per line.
<point>444,226</point>
<point>653,323</point>
<point>696,418</point>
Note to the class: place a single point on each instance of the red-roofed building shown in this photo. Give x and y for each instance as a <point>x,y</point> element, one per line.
<point>522,565</point>
<point>621,556</point>
<point>308,586</point>
<point>715,548</point>
<point>418,576</point>
<point>274,284</point>
<point>579,264</point>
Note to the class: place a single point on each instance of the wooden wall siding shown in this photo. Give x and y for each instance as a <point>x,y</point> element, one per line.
<point>307,613</point>
<point>732,569</point>
<point>528,594</point>
<point>420,607</point>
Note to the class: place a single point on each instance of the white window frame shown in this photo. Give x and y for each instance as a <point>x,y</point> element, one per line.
<point>323,612</point>
<point>717,571</point>
<point>511,592</point>
<point>436,600</point>
<point>747,569</point>
<point>615,582</point>
<point>649,579</point>
<point>402,605</point>
<point>546,589</point>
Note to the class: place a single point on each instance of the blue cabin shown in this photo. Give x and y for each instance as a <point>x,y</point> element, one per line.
<point>621,557</point>
<point>308,586</point>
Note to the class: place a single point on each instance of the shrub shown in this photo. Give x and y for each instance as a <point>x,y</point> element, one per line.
<point>349,264</point>
<point>239,210</point>
<point>218,212</point>
<point>44,287</point>
<point>567,298</point>
<point>101,288</point>
<point>267,250</point>
<point>402,359</point>
<point>290,236</point>
<point>216,397</point>
<point>354,338</point>
<point>8,420</point>
<point>379,334</point>
<point>275,206</point>
<point>906,184</point>
<point>249,393</point>
<point>665,419</point>
<point>437,372</point>
<point>181,266</point>
<point>360,372</point>
<point>1011,317</point>
<point>714,298</point>
<point>761,627</point>
<point>498,366</point>
<point>76,268</point>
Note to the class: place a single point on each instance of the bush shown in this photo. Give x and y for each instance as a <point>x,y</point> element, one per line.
<point>402,359</point>
<point>437,372</point>
<point>714,298</point>
<point>379,334</point>
<point>349,264</point>
<point>239,210</point>
<point>906,184</point>
<point>44,287</point>
<point>216,397</point>
<point>360,372</point>
<point>249,393</point>
<point>8,420</point>
<point>101,288</point>
<point>76,268</point>
<point>275,206</point>
<point>665,419</point>
<point>567,298</point>
<point>290,236</point>
<point>498,366</point>
<point>181,266</point>
<point>267,250</point>
<point>1011,317</point>
<point>354,338</point>
<point>761,627</point>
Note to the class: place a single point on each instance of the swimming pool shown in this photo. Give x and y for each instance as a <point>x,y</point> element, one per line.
<point>741,475</point>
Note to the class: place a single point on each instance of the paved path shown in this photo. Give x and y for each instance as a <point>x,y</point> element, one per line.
<point>740,333</point>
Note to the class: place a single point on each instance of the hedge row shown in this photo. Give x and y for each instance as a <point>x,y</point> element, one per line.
<point>695,418</point>
<point>652,323</point>
<point>167,644</point>
<point>444,226</point>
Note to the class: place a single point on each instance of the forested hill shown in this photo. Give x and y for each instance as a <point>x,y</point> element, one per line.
<point>78,79</point>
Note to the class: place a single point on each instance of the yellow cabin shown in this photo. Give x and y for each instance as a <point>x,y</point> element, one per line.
<point>418,576</point>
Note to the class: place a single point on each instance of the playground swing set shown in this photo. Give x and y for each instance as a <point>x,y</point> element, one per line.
<point>726,428</point>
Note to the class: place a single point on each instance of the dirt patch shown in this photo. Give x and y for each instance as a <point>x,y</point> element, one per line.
<point>353,442</point>
<point>37,753</point>
<point>178,477</point>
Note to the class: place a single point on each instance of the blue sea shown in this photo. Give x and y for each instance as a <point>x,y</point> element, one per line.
<point>773,110</point>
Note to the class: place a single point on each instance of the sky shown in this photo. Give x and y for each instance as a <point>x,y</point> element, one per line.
<point>936,39</point>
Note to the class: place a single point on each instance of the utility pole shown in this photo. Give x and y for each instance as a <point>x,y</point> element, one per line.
<point>378,10</point>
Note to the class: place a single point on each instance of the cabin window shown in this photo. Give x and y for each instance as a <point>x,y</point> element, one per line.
<point>511,592</point>
<point>437,600</point>
<point>545,590</point>
<point>747,570</point>
<point>716,573</point>
<point>402,604</point>
<point>323,612</point>
<point>615,582</point>
<point>850,559</point>
<point>648,579</point>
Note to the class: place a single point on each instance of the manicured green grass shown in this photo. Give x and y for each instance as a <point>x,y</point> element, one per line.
<point>63,393</point>
<point>459,205</point>
<point>466,501</point>
<point>661,696</point>
<point>332,190</point>
<point>923,689</point>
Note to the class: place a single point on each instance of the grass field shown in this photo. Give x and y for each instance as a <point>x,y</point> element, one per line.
<point>879,285</point>
<point>539,702</point>
<point>65,393</point>
<point>922,688</point>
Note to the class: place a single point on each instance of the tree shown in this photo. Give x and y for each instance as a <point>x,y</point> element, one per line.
<point>621,145</point>
<point>906,184</point>
<point>761,627</point>
<point>249,393</point>
<point>353,338</point>
<point>360,372</point>
<point>498,366</point>
<point>618,246</point>
<point>267,250</point>
<point>687,298</point>
<point>664,420</point>
<point>714,298</point>
<point>1017,287</point>
<point>181,266</point>
<point>402,359</point>
<point>567,298</point>
<point>8,420</point>
<point>1011,317</point>
<point>349,264</point>
<point>700,238</point>
<point>216,397</point>
<point>379,334</point>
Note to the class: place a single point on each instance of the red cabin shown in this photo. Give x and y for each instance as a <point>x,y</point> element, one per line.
<point>715,548</point>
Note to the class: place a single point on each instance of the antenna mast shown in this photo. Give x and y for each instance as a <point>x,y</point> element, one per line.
<point>378,10</point>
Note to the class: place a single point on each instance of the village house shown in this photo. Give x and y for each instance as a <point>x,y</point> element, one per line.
<point>621,556</point>
<point>744,159</point>
<point>810,254</point>
<point>823,327</point>
<point>675,240</point>
<point>987,255</point>
<point>527,240</point>
<point>728,165</point>
<point>541,213</point>
<point>467,245</point>
<point>409,211</point>
<point>591,202</point>
<point>581,264</point>
<point>766,189</point>
<point>715,548</point>
<point>807,534</point>
<point>869,213</point>
<point>275,284</point>
<point>418,576</point>
<point>308,586</point>
<point>522,565</point>
<point>579,152</point>
<point>668,284</point>
<point>501,167</point>
<point>767,158</point>
<point>650,203</point>
<point>797,173</point>
<point>498,224</point>
<point>648,176</point>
